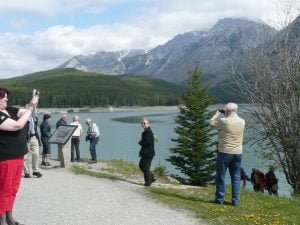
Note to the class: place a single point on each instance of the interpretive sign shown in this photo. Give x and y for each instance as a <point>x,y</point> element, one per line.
<point>62,134</point>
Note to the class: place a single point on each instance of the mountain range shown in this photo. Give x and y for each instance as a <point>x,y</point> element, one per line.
<point>215,50</point>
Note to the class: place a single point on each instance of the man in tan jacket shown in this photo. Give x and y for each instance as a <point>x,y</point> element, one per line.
<point>230,129</point>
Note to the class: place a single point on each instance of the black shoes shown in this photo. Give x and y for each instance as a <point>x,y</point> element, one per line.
<point>45,164</point>
<point>92,162</point>
<point>16,223</point>
<point>37,174</point>
<point>76,160</point>
<point>217,202</point>
<point>149,184</point>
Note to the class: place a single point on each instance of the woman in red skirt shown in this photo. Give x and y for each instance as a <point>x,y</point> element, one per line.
<point>13,147</point>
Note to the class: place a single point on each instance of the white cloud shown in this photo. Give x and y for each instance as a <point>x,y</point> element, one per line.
<point>18,24</point>
<point>48,48</point>
<point>56,7</point>
<point>42,7</point>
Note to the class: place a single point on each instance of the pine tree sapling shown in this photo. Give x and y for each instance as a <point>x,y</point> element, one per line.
<point>193,154</point>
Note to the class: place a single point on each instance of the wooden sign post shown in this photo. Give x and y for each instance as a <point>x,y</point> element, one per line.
<point>62,136</point>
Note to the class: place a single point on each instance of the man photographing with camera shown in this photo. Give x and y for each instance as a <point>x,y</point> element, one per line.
<point>93,135</point>
<point>230,129</point>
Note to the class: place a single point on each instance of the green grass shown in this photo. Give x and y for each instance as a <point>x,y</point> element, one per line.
<point>114,169</point>
<point>254,209</point>
<point>126,169</point>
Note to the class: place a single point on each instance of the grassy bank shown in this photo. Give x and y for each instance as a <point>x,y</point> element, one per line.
<point>255,208</point>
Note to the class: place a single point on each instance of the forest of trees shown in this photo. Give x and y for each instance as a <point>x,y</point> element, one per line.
<point>72,88</point>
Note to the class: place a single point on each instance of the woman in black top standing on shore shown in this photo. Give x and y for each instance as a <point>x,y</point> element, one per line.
<point>45,136</point>
<point>13,147</point>
<point>147,152</point>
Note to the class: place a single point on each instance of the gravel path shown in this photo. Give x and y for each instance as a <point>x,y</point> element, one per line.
<point>63,198</point>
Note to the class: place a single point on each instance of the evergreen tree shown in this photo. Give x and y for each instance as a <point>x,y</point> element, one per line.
<point>193,154</point>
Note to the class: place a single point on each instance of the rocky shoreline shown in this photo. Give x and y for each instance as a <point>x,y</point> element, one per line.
<point>103,109</point>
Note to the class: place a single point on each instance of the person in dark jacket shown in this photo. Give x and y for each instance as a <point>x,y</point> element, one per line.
<point>271,182</point>
<point>258,180</point>
<point>62,121</point>
<point>244,177</point>
<point>147,152</point>
<point>45,136</point>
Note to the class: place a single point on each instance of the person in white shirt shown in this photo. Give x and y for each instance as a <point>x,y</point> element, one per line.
<point>75,141</point>
<point>93,135</point>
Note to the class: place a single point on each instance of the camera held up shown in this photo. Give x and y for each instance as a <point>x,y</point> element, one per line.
<point>222,111</point>
<point>35,93</point>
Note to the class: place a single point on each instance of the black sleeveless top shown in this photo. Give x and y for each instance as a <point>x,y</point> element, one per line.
<point>13,144</point>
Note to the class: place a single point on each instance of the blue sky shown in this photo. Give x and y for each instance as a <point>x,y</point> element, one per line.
<point>40,35</point>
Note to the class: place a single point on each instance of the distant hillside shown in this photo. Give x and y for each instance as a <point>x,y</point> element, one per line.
<point>73,88</point>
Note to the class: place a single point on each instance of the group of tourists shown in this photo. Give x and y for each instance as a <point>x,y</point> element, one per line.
<point>261,181</point>
<point>268,181</point>
<point>36,139</point>
<point>92,135</point>
<point>146,142</point>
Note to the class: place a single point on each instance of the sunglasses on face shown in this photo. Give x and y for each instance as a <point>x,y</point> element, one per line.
<point>143,123</point>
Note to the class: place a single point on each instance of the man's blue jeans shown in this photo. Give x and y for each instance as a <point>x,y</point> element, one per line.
<point>233,163</point>
<point>93,143</point>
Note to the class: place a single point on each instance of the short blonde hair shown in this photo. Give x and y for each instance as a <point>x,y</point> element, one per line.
<point>145,120</point>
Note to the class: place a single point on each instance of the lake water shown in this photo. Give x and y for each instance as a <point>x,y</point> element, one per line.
<point>121,132</point>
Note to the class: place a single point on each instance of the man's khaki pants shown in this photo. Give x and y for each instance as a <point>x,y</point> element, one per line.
<point>32,155</point>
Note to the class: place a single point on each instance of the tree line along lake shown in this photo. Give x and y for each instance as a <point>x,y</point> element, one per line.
<point>121,131</point>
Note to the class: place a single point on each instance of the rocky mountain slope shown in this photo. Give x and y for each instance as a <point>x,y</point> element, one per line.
<point>98,61</point>
<point>215,50</point>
